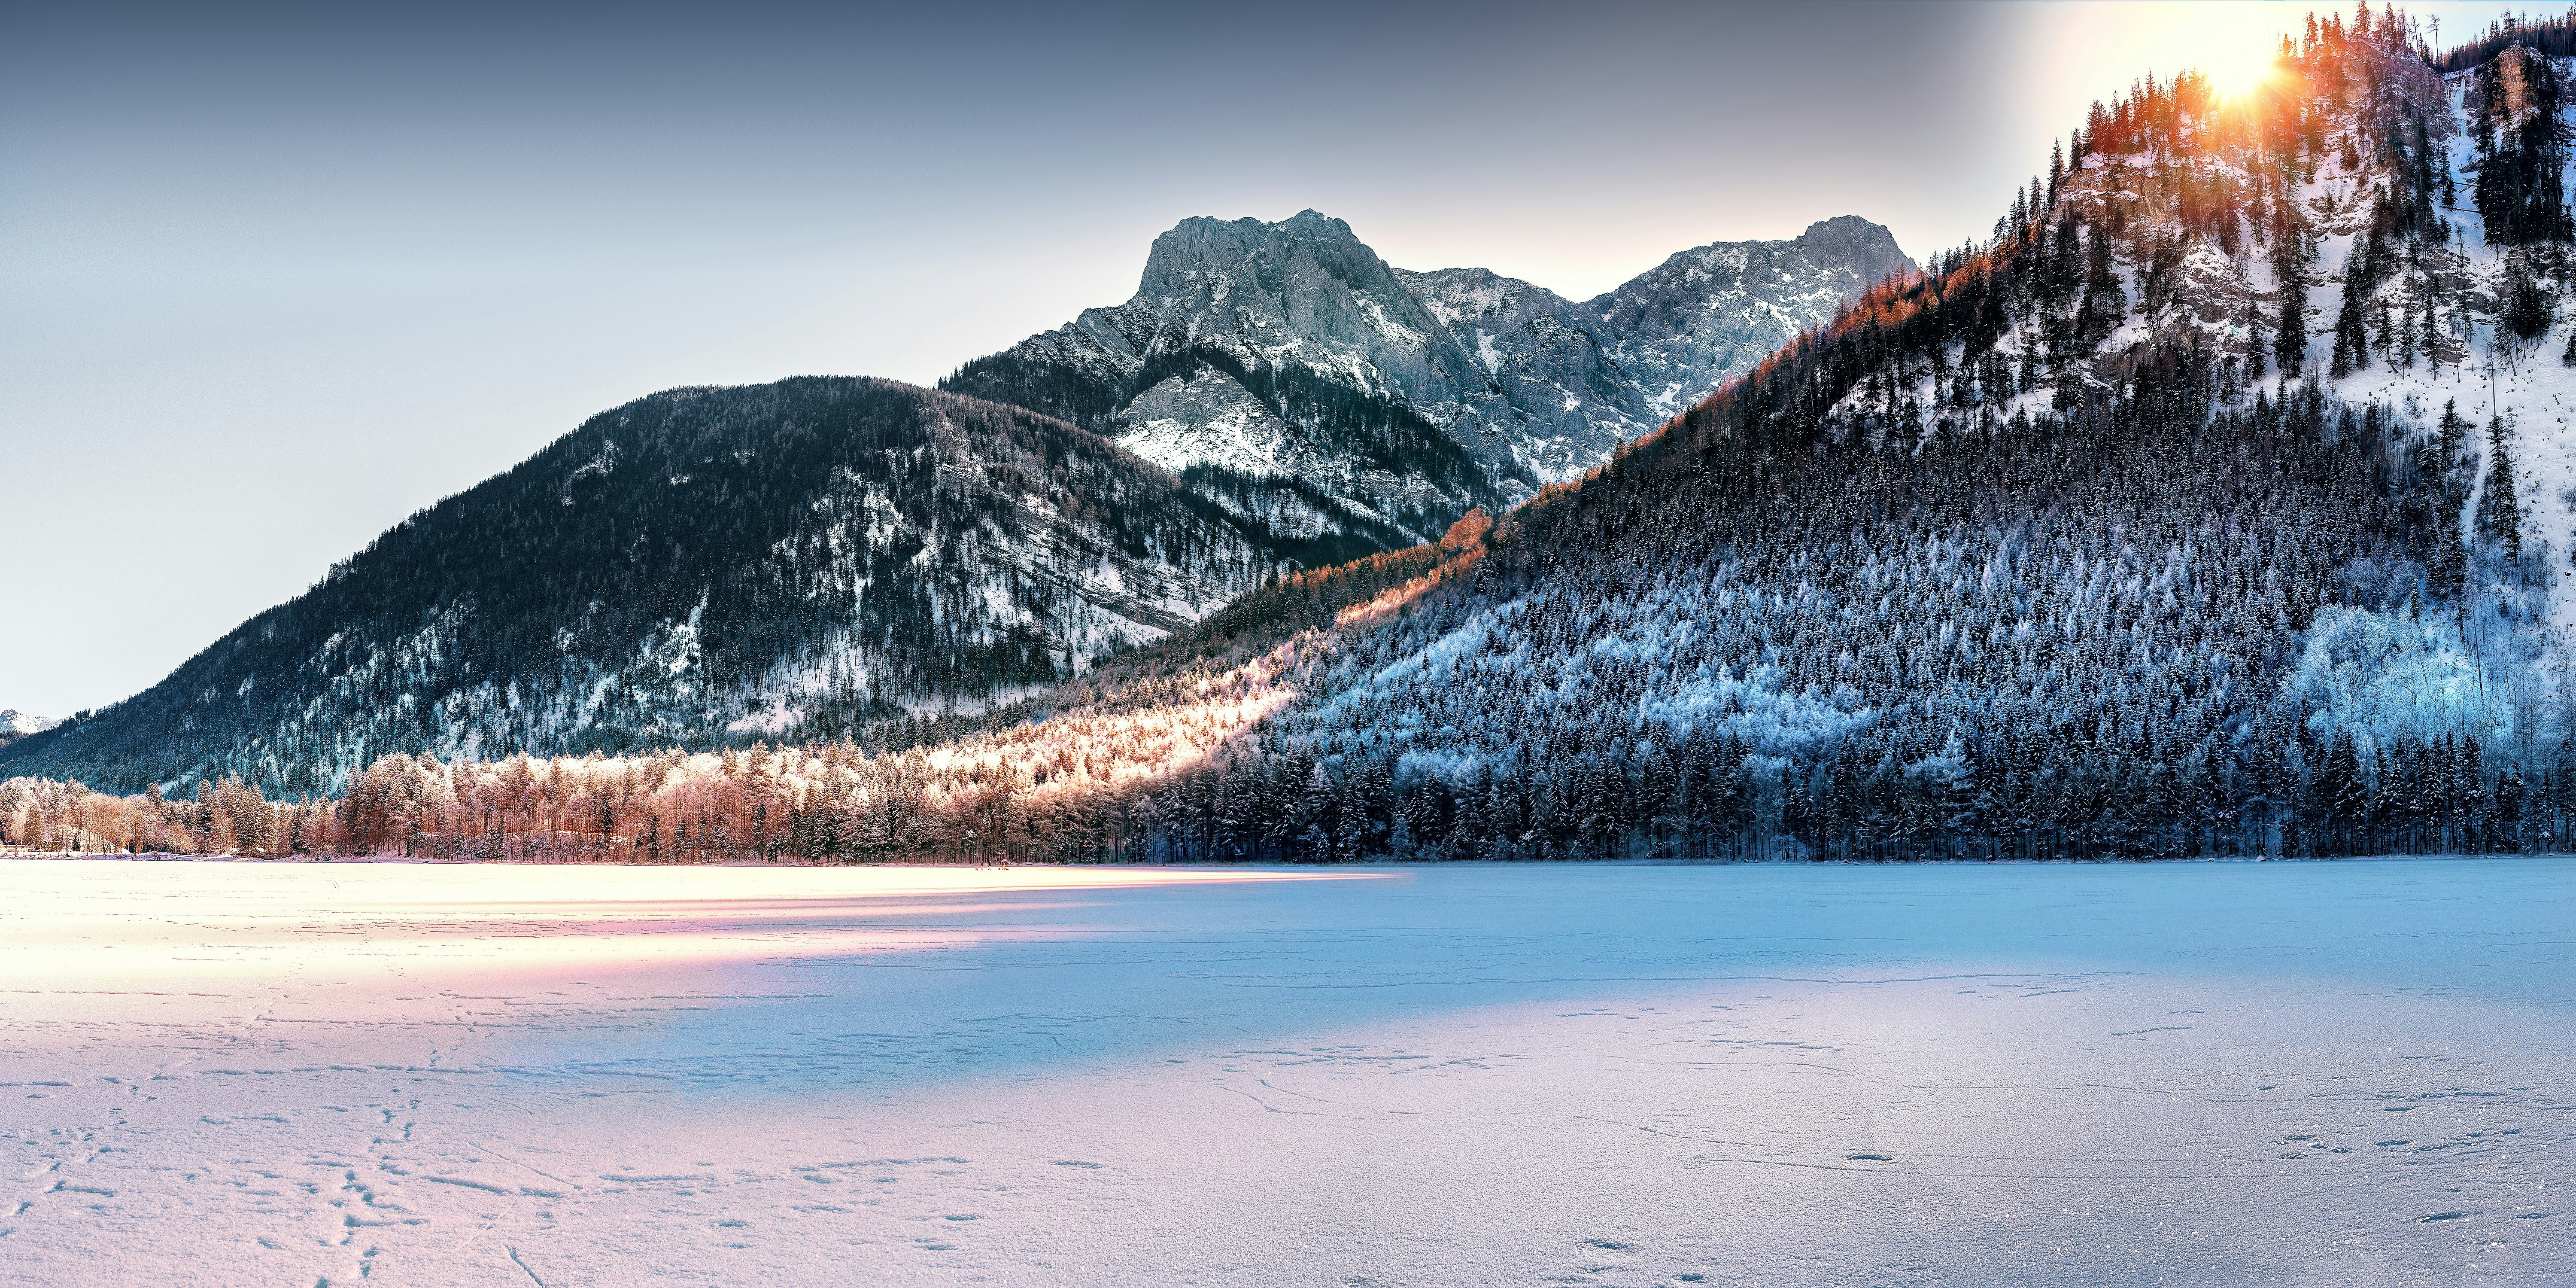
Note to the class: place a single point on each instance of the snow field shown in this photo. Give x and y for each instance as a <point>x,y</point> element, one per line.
<point>2208,1073</point>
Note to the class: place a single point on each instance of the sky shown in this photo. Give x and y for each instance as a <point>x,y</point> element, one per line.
<point>273,277</point>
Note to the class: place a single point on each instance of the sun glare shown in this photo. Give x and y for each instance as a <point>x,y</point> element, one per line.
<point>2238,74</point>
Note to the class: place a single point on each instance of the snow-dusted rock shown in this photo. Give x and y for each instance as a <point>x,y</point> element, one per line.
<point>18,724</point>
<point>1681,328</point>
<point>1257,357</point>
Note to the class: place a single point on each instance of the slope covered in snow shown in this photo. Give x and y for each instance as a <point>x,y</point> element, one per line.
<point>398,1074</point>
<point>1284,368</point>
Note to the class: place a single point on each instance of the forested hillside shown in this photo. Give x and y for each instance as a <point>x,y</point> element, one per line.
<point>2086,543</point>
<point>700,566</point>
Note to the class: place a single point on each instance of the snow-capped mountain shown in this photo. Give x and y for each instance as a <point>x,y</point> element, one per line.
<point>1283,368</point>
<point>1288,372</point>
<point>827,556</point>
<point>15,725</point>
<point>1680,329</point>
<point>700,566</point>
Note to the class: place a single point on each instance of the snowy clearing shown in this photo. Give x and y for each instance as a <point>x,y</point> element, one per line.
<point>450,1074</point>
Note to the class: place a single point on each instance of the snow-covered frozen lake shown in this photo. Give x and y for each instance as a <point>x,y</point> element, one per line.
<point>2359,1072</point>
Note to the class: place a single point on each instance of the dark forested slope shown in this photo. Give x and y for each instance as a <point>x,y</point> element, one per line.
<point>696,566</point>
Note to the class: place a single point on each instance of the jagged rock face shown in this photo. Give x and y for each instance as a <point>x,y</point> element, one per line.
<point>1681,328</point>
<point>1280,367</point>
<point>1304,290</point>
<point>1286,369</point>
<point>1566,402</point>
<point>703,565</point>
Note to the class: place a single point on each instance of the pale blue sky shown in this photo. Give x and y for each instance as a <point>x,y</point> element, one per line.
<point>271,279</point>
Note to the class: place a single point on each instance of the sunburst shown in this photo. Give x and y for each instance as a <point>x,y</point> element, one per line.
<point>2239,74</point>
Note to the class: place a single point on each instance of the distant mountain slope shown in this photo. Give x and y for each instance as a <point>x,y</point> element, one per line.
<point>1680,329</point>
<point>1288,372</point>
<point>15,725</point>
<point>1283,368</point>
<point>822,555</point>
<point>768,560</point>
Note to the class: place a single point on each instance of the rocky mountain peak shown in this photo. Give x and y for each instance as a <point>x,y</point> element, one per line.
<point>1681,328</point>
<point>1283,290</point>
<point>1868,249</point>
<point>1288,371</point>
<point>1194,246</point>
<point>18,723</point>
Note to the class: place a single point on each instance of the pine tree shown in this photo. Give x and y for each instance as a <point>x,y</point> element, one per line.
<point>2447,574</point>
<point>2510,796</point>
<point>2499,515</point>
<point>2451,437</point>
<point>2289,266</point>
<point>2352,337</point>
<point>2471,776</point>
<point>2104,303</point>
<point>2526,302</point>
<point>2345,800</point>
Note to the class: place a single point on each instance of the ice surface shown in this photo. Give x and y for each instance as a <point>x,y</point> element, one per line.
<point>2211,1073</point>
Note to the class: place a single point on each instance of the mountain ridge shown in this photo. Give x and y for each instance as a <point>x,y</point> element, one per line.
<point>1534,388</point>
<point>1333,414</point>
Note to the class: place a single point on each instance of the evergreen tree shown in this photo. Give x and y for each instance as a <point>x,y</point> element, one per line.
<point>2499,514</point>
<point>2526,302</point>
<point>2289,269</point>
<point>2345,800</point>
<point>2352,337</point>
<point>2451,436</point>
<point>2104,303</point>
<point>2522,146</point>
<point>2446,574</point>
